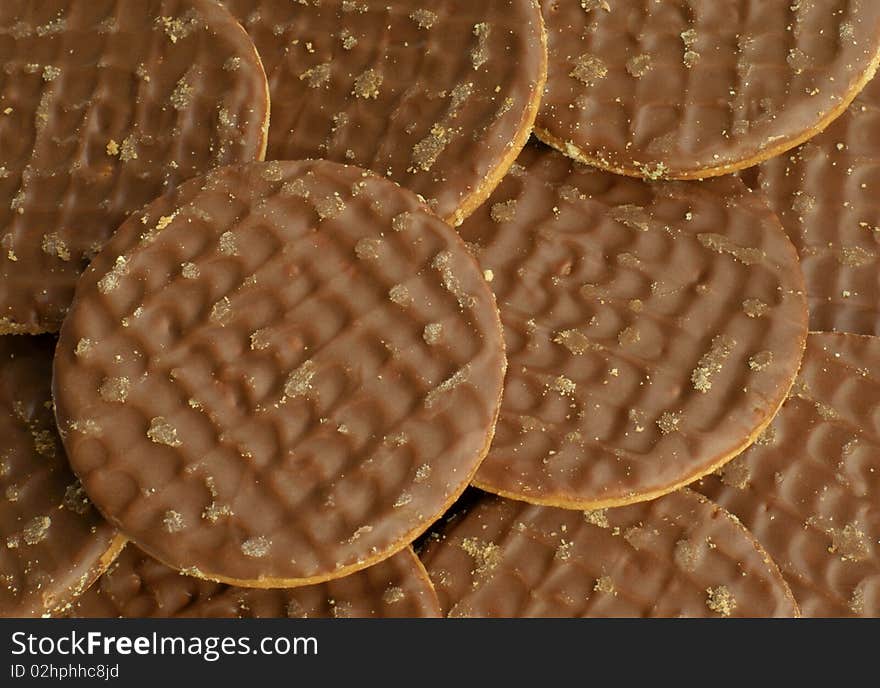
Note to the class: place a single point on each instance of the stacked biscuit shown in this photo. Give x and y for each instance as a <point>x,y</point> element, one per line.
<point>286,292</point>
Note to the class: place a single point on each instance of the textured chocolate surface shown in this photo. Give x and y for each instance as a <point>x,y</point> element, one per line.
<point>810,488</point>
<point>53,543</point>
<point>104,105</point>
<point>696,88</point>
<point>279,374</point>
<point>438,96</point>
<point>679,555</point>
<point>652,329</point>
<point>826,194</point>
<point>138,586</point>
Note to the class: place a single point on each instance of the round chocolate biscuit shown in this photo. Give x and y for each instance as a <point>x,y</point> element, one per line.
<point>678,556</point>
<point>104,105</point>
<point>652,329</point>
<point>825,194</point>
<point>138,586</point>
<point>688,89</point>
<point>53,543</point>
<point>809,489</point>
<point>279,374</point>
<point>438,96</point>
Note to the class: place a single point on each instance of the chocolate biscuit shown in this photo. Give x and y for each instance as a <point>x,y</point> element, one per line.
<point>438,96</point>
<point>688,89</point>
<point>53,543</point>
<point>138,586</point>
<point>279,374</point>
<point>825,193</point>
<point>652,329</point>
<point>679,555</point>
<point>809,489</point>
<point>104,105</point>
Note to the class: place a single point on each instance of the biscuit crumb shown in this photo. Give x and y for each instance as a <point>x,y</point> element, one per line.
<point>256,547</point>
<point>367,85</point>
<point>720,600</point>
<point>115,389</point>
<point>36,530</point>
<point>54,245</point>
<point>639,66</point>
<point>399,294</point>
<point>669,422</point>
<point>712,362</point>
<point>300,380</point>
<point>173,521</point>
<point>317,76</point>
<point>162,432</point>
<point>480,52</point>
<point>686,555</point>
<point>486,555</point>
<point>589,70</point>
<point>110,281</point>
<point>504,212</point>
<point>597,517</point>
<point>605,584</point>
<point>432,334</point>
<point>425,19</point>
<point>392,595</point>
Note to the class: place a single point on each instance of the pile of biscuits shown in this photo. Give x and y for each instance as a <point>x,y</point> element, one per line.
<point>298,321</point>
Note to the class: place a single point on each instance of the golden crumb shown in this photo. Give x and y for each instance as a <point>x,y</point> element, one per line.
<point>720,600</point>
<point>597,517</point>
<point>589,70</point>
<point>367,84</point>
<point>317,76</point>
<point>36,530</point>
<point>173,521</point>
<point>424,18</point>
<point>486,555</point>
<point>504,212</point>
<point>162,432</point>
<point>299,382</point>
<point>432,333</point>
<point>712,362</point>
<point>115,389</point>
<point>110,281</point>
<point>686,555</point>
<point>256,547</point>
<point>605,584</point>
<point>669,422</point>
<point>639,65</point>
<point>112,147</point>
<point>480,52</point>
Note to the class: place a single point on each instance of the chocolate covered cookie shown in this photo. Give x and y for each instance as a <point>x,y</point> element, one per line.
<point>680,555</point>
<point>105,105</point>
<point>280,373</point>
<point>688,89</point>
<point>53,543</point>
<point>438,96</point>
<point>652,329</point>
<point>809,489</point>
<point>138,586</point>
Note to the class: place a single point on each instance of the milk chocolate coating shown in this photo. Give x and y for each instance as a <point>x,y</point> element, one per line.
<point>652,329</point>
<point>810,488</point>
<point>825,193</point>
<point>687,89</point>
<point>53,543</point>
<point>679,555</point>
<point>104,105</point>
<point>138,586</point>
<point>438,96</point>
<point>279,374</point>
